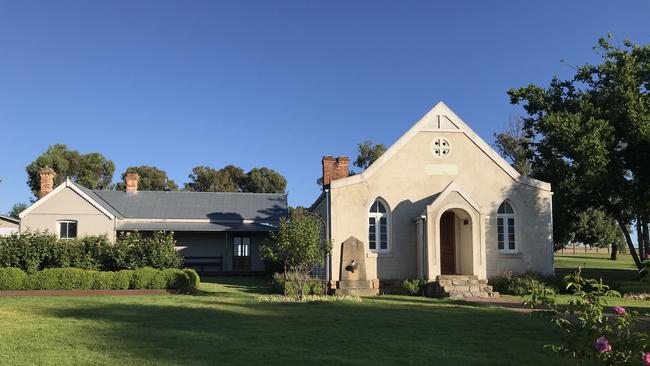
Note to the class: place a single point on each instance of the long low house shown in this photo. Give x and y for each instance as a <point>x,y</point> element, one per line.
<point>215,232</point>
<point>8,225</point>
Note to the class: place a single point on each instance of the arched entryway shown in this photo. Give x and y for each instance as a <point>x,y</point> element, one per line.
<point>456,239</point>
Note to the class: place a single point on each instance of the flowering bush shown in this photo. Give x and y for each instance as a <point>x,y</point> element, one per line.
<point>590,335</point>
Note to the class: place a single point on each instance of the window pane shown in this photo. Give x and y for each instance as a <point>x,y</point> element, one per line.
<point>383,233</point>
<point>380,207</point>
<point>500,234</point>
<point>72,230</point>
<point>63,230</point>
<point>237,240</point>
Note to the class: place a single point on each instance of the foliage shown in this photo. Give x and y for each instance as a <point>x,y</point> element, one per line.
<point>312,285</point>
<point>298,245</point>
<point>590,336</point>
<point>233,179</point>
<point>519,284</point>
<point>264,180</point>
<point>16,210</point>
<point>81,279</point>
<point>151,179</point>
<point>33,251</point>
<point>591,138</point>
<point>367,153</point>
<point>414,287</point>
<point>193,278</point>
<point>513,145</point>
<point>12,278</point>
<point>91,170</point>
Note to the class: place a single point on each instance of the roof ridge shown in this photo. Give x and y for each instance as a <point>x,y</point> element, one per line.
<point>243,193</point>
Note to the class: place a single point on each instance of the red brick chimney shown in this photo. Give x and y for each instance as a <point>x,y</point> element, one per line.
<point>132,182</point>
<point>47,175</point>
<point>335,168</point>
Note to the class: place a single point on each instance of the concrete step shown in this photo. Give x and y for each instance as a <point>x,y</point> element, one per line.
<point>461,287</point>
<point>356,292</point>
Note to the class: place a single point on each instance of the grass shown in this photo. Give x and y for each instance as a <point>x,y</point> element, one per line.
<point>224,324</point>
<point>621,274</point>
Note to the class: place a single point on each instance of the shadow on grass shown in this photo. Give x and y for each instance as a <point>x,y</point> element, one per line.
<point>379,331</point>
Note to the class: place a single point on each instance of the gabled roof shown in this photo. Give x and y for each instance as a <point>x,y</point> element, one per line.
<point>78,189</point>
<point>453,187</point>
<point>203,207</point>
<point>441,118</point>
<point>9,219</point>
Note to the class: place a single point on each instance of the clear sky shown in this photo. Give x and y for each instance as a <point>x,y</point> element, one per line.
<point>178,84</point>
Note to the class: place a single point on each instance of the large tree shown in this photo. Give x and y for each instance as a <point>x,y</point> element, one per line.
<point>151,179</point>
<point>265,180</point>
<point>17,209</point>
<point>512,144</point>
<point>206,179</point>
<point>591,136</point>
<point>91,170</point>
<point>367,153</point>
<point>233,179</point>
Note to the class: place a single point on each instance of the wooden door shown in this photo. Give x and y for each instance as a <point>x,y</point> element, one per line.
<point>448,243</point>
<point>241,258</point>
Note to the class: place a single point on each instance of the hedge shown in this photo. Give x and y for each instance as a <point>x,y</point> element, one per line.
<point>312,286</point>
<point>185,280</point>
<point>35,251</point>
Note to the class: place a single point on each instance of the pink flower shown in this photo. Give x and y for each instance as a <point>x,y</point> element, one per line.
<point>602,345</point>
<point>619,310</point>
<point>646,359</point>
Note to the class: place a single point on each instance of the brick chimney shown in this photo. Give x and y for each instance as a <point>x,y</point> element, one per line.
<point>47,175</point>
<point>132,182</point>
<point>335,168</point>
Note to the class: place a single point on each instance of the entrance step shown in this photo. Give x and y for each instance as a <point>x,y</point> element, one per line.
<point>461,287</point>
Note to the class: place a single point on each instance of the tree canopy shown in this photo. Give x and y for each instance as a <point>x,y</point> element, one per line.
<point>151,179</point>
<point>17,209</point>
<point>513,146</point>
<point>367,153</point>
<point>591,136</point>
<point>91,170</point>
<point>233,179</point>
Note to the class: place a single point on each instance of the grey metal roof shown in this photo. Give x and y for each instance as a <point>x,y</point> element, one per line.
<point>215,206</point>
<point>10,219</point>
<point>192,226</point>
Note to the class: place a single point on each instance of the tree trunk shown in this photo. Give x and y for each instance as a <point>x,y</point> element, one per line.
<point>646,238</point>
<point>614,252</point>
<point>639,236</point>
<point>630,244</point>
<point>284,279</point>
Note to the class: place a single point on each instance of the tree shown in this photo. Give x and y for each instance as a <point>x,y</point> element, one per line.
<point>591,136</point>
<point>298,245</point>
<point>16,210</point>
<point>367,153</point>
<point>512,145</point>
<point>151,179</point>
<point>265,180</point>
<point>233,179</point>
<point>206,179</point>
<point>91,170</point>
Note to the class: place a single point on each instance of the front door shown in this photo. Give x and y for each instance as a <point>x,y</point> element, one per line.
<point>241,259</point>
<point>448,243</point>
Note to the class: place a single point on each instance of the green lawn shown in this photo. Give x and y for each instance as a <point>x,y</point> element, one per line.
<point>224,324</point>
<point>621,273</point>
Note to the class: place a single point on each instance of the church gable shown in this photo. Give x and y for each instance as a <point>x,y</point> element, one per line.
<point>453,145</point>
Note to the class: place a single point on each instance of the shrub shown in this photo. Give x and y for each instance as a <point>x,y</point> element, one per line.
<point>193,279</point>
<point>34,251</point>
<point>414,287</point>
<point>81,279</point>
<point>590,336</point>
<point>519,284</point>
<point>122,279</point>
<point>12,278</point>
<point>312,286</point>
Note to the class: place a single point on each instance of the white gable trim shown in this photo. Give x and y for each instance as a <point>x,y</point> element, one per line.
<point>434,116</point>
<point>67,184</point>
<point>453,187</point>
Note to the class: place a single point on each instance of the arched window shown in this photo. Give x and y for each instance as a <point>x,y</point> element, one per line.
<point>506,229</point>
<point>378,227</point>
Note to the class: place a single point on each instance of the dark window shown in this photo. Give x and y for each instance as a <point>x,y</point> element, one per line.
<point>67,229</point>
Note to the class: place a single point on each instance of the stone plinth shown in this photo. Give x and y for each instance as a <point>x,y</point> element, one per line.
<point>354,277</point>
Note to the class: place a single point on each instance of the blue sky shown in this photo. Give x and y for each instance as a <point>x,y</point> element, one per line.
<point>178,84</point>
